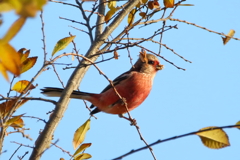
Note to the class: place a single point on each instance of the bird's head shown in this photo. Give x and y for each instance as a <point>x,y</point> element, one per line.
<point>147,63</point>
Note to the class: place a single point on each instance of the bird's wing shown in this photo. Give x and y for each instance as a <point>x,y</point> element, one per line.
<point>116,81</point>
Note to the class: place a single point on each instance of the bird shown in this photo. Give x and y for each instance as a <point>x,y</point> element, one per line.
<point>134,86</point>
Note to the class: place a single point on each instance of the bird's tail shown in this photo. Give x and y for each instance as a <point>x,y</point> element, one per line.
<point>57,92</point>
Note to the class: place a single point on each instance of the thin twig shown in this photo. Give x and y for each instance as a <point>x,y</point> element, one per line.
<point>15,152</point>
<point>172,138</point>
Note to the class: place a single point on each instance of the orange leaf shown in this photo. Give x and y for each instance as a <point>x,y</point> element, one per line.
<point>21,85</point>
<point>230,34</point>
<point>13,30</point>
<point>115,54</point>
<point>28,64</point>
<point>168,3</point>
<point>5,107</point>
<point>109,14</point>
<point>9,59</point>
<point>13,120</point>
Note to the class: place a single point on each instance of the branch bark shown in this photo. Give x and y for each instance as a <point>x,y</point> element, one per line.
<point>44,138</point>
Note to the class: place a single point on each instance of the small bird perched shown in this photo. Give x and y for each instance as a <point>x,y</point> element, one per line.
<point>134,86</point>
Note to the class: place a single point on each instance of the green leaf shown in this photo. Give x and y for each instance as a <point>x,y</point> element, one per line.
<point>62,43</point>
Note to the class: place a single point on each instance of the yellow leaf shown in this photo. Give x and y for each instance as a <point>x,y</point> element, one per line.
<point>168,3</point>
<point>80,133</point>
<point>214,139</point>
<point>112,4</point>
<point>9,5</point>
<point>13,120</point>
<point>23,56</point>
<point>140,3</point>
<point>230,34</point>
<point>62,43</point>
<point>9,60</point>
<point>5,107</point>
<point>13,30</point>
<point>131,16</point>
<point>4,72</point>
<point>238,123</point>
<point>82,148</point>
<point>143,56</point>
<point>21,85</point>
<point>28,64</point>
<point>83,156</point>
<point>18,123</point>
<point>31,7</point>
<point>109,14</point>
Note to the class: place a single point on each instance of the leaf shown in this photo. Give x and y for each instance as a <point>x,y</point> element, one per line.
<point>80,133</point>
<point>28,64</point>
<point>29,8</point>
<point>168,3</point>
<point>83,156</point>
<point>9,60</point>
<point>82,148</point>
<point>5,107</point>
<point>18,123</point>
<point>214,139</point>
<point>109,14</point>
<point>112,4</point>
<point>21,85</point>
<point>230,34</point>
<point>143,15</point>
<point>151,5</point>
<point>141,3</point>
<point>23,56</point>
<point>62,43</point>
<point>115,54</point>
<point>238,123</point>
<point>13,120</point>
<point>131,16</point>
<point>13,30</point>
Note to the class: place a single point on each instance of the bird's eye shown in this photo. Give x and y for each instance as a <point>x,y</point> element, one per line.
<point>150,62</point>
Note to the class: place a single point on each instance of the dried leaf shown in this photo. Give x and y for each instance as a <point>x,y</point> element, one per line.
<point>21,85</point>
<point>5,107</point>
<point>82,148</point>
<point>143,15</point>
<point>80,133</point>
<point>151,5</point>
<point>115,54</point>
<point>62,43</point>
<point>23,56</point>
<point>83,156</point>
<point>214,139</point>
<point>28,64</point>
<point>9,60</point>
<point>238,123</point>
<point>141,3</point>
<point>131,16</point>
<point>109,14</point>
<point>230,34</point>
<point>13,30</point>
<point>168,3</point>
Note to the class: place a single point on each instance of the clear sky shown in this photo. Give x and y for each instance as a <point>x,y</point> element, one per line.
<point>206,94</point>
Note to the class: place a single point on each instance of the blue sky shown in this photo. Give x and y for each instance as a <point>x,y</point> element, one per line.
<point>206,94</point>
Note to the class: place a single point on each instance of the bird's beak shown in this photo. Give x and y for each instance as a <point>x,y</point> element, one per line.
<point>159,67</point>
